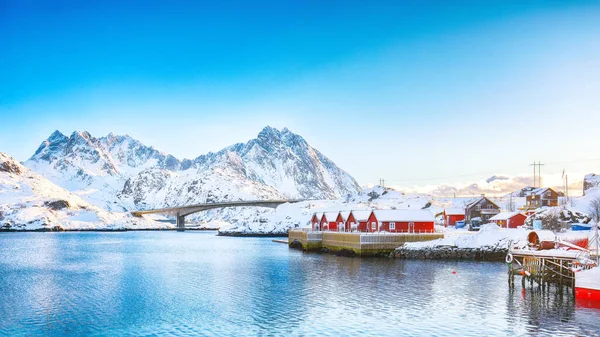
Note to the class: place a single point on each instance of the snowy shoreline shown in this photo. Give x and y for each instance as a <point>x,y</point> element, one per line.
<point>52,230</point>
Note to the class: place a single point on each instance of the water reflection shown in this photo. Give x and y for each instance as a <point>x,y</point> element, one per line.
<point>197,284</point>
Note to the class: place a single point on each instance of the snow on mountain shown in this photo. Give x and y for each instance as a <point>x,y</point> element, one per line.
<point>119,173</point>
<point>29,201</point>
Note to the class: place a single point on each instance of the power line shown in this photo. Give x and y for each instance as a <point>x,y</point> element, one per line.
<point>486,173</point>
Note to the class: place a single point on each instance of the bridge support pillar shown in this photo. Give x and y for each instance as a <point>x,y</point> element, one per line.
<point>180,223</point>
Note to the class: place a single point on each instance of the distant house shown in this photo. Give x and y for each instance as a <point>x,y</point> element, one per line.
<point>482,208</point>
<point>315,220</point>
<point>357,220</point>
<point>509,219</point>
<point>401,221</point>
<point>541,197</point>
<point>452,215</point>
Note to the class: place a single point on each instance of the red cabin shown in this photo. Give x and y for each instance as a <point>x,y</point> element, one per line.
<point>509,219</point>
<point>329,221</point>
<point>452,215</point>
<point>315,220</point>
<point>342,221</point>
<point>401,221</point>
<point>357,220</point>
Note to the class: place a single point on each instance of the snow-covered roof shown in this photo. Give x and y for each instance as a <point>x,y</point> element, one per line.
<point>361,215</point>
<point>504,215</point>
<point>475,202</point>
<point>403,215</point>
<point>318,215</point>
<point>331,216</point>
<point>538,191</point>
<point>455,211</point>
<point>345,215</point>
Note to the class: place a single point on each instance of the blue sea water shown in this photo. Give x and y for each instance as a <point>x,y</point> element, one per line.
<point>197,284</point>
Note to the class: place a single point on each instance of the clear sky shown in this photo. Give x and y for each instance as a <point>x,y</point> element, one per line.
<point>421,92</point>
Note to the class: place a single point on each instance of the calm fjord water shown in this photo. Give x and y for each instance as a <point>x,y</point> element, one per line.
<point>194,283</point>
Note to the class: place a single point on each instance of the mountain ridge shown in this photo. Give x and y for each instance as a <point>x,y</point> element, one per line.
<point>120,173</point>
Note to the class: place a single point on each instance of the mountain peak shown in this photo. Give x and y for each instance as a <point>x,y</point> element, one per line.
<point>81,134</point>
<point>269,132</point>
<point>57,136</point>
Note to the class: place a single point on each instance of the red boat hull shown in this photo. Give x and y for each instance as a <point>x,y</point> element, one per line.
<point>587,294</point>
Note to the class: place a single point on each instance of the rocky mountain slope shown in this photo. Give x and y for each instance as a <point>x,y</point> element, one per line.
<point>29,201</point>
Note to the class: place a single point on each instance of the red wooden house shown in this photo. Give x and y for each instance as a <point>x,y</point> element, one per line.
<point>329,221</point>
<point>452,215</point>
<point>315,220</point>
<point>342,221</point>
<point>357,220</point>
<point>509,219</point>
<point>401,221</point>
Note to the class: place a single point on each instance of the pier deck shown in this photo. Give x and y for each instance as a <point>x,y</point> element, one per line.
<point>544,267</point>
<point>362,244</point>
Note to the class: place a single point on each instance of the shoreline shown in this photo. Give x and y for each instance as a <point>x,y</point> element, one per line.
<point>451,253</point>
<point>256,235</point>
<point>53,230</point>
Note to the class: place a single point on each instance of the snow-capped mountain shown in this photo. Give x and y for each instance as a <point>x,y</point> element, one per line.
<point>120,173</point>
<point>29,201</point>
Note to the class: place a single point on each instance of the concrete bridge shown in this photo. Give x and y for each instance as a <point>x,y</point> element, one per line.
<point>180,212</point>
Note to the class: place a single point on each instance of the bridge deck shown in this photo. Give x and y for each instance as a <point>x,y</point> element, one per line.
<point>190,209</point>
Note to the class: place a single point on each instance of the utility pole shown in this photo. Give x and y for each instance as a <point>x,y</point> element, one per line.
<point>539,175</point>
<point>533,173</point>
<point>567,186</point>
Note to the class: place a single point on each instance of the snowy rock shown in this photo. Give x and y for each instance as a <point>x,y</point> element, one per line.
<point>554,218</point>
<point>591,181</point>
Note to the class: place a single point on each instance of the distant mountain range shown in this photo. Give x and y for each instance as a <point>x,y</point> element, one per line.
<point>119,173</point>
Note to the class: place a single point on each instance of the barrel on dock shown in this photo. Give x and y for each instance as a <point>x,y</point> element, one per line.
<point>541,239</point>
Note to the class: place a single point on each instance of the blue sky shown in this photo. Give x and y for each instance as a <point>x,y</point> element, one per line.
<point>420,92</point>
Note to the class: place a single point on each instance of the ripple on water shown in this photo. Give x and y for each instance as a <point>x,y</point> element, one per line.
<point>193,283</point>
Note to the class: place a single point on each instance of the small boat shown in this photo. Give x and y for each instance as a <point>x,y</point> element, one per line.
<point>587,284</point>
<point>580,227</point>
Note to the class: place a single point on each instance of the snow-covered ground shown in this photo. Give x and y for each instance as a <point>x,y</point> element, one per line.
<point>489,235</point>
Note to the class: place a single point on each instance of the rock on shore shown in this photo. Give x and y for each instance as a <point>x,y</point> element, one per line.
<point>484,253</point>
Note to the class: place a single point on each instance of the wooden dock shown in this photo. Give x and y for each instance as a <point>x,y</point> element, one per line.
<point>545,267</point>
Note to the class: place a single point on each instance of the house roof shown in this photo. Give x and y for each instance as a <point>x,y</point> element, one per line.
<point>454,211</point>
<point>361,215</point>
<point>345,215</point>
<point>330,216</point>
<point>475,202</point>
<point>403,215</point>
<point>319,215</point>
<point>540,191</point>
<point>504,215</point>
